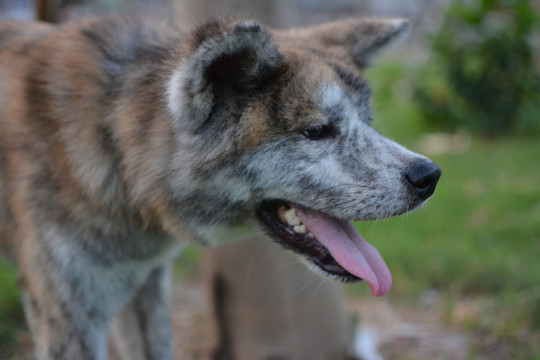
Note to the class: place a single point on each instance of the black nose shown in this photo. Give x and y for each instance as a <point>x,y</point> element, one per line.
<point>423,177</point>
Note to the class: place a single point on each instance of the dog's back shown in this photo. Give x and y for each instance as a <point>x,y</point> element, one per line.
<point>59,130</point>
<point>16,40</point>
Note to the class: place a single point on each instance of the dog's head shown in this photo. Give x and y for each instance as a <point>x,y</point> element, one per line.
<point>274,128</point>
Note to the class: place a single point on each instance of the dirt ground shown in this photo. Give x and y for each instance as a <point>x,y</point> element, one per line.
<point>191,322</point>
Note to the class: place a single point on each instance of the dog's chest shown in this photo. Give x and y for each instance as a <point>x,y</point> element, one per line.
<point>111,280</point>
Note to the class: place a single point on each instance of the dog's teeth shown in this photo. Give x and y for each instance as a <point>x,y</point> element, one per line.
<point>292,218</point>
<point>288,216</point>
<point>281,210</point>
<point>301,229</point>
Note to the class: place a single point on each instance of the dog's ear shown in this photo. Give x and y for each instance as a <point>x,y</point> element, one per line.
<point>224,57</point>
<point>353,41</point>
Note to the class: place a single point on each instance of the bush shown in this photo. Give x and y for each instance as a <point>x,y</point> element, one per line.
<point>482,74</point>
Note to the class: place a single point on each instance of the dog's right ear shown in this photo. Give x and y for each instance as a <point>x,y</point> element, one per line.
<point>224,57</point>
<point>353,41</point>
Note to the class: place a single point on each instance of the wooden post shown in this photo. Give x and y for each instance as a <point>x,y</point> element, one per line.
<point>268,305</point>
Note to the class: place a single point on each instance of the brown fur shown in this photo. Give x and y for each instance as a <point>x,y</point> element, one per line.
<point>102,167</point>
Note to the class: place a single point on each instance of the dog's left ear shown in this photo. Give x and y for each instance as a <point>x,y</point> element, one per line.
<point>353,41</point>
<point>224,57</point>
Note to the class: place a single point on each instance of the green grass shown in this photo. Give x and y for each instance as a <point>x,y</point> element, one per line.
<point>11,314</point>
<point>479,234</point>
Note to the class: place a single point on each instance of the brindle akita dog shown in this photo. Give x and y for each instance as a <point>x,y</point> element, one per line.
<point>122,139</point>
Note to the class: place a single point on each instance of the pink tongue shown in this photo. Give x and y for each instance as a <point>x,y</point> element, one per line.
<point>349,249</point>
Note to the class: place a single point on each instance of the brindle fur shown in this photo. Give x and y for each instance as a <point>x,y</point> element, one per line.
<point>122,138</point>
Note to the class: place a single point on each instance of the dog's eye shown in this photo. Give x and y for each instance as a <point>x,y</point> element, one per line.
<point>319,132</point>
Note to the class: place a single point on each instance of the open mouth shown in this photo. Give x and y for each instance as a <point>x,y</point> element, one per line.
<point>332,244</point>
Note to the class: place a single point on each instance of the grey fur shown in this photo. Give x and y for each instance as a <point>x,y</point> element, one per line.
<point>122,139</point>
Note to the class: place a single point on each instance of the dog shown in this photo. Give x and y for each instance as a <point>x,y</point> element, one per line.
<point>123,139</point>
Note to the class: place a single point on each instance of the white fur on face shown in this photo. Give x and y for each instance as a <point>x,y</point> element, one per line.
<point>174,93</point>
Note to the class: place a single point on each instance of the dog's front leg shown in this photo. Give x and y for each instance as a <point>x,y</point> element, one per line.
<point>66,322</point>
<point>142,331</point>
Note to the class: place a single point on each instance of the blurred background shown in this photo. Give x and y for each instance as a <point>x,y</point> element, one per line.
<point>463,89</point>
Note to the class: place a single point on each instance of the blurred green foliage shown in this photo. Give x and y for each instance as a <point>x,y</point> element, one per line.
<point>482,76</point>
<point>11,312</point>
